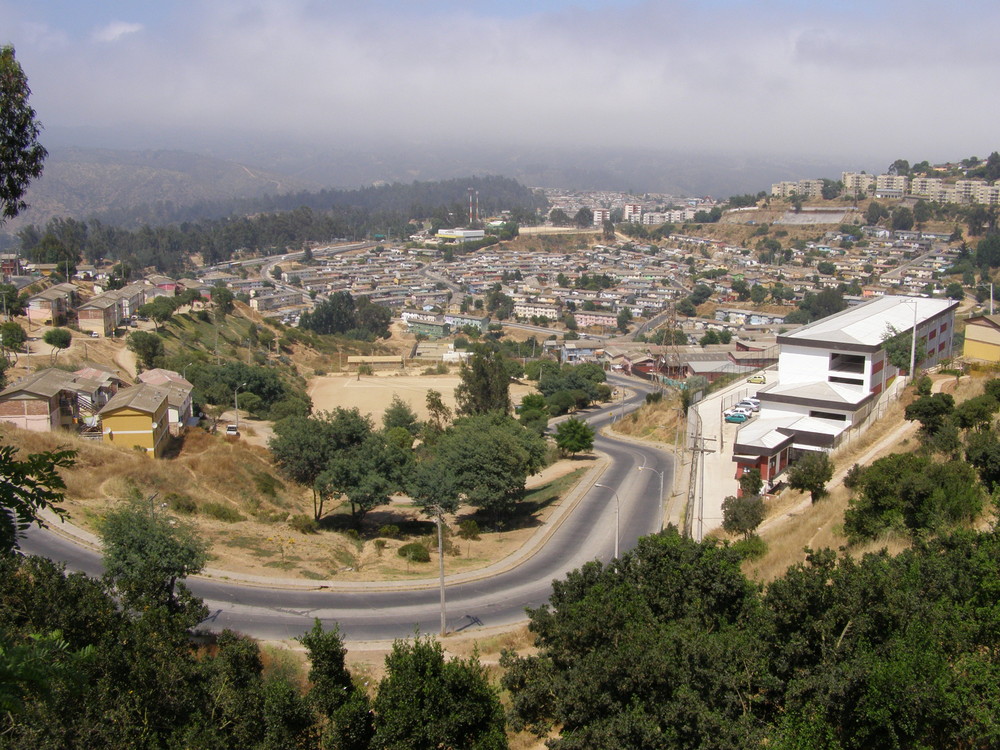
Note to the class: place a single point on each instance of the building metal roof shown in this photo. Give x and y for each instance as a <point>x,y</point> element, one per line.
<point>143,397</point>
<point>867,324</point>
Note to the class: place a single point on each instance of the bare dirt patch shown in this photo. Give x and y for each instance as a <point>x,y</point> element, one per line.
<point>373,393</point>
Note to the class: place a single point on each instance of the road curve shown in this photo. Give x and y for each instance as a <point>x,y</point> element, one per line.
<point>500,600</point>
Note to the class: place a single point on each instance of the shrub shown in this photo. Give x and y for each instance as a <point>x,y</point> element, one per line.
<point>379,546</point>
<point>751,548</point>
<point>267,484</point>
<point>414,552</point>
<point>389,531</point>
<point>303,524</point>
<point>221,512</point>
<point>654,398</point>
<point>853,477</point>
<point>352,534</point>
<point>181,503</point>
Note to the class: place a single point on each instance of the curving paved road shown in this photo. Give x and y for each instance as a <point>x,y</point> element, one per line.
<point>374,613</point>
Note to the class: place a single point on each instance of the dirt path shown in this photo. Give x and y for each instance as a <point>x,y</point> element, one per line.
<point>125,358</point>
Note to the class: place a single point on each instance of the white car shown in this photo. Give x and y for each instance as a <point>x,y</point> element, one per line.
<point>232,430</point>
<point>751,404</point>
<point>745,411</point>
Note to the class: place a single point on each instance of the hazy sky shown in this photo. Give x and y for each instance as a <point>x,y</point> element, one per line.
<point>911,79</point>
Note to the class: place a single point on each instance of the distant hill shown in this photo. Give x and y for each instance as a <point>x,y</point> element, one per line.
<point>85,182</point>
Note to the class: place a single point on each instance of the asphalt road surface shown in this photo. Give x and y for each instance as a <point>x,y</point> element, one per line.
<point>377,614</point>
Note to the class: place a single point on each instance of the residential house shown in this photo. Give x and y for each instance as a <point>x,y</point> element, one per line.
<point>47,399</point>
<point>179,398</point>
<point>137,418</point>
<point>982,338</point>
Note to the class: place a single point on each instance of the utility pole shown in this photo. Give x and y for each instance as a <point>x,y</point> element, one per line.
<point>701,450</point>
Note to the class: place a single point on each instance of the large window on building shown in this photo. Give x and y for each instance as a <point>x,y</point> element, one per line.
<point>847,363</point>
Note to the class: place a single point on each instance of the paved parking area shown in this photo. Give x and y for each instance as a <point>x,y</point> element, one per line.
<point>719,478</point>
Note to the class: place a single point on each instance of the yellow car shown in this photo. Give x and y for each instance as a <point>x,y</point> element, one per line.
<point>758,378</point>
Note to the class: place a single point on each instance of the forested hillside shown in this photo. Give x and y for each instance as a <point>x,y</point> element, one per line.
<point>271,225</point>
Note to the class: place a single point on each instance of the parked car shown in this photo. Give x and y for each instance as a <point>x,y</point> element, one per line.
<point>745,410</point>
<point>231,430</point>
<point>95,335</point>
<point>758,378</point>
<point>737,417</point>
<point>748,404</point>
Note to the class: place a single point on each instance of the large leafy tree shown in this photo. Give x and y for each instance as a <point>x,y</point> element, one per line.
<point>574,436</point>
<point>147,553</point>
<point>306,447</point>
<point>148,347</point>
<point>485,385</point>
<point>344,706</point>
<point>811,473</point>
<point>27,488</point>
<point>21,155</point>
<point>490,457</point>
<point>427,701</point>
<point>624,653</point>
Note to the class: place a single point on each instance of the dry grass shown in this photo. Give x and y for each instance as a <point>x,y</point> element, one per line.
<point>657,422</point>
<point>791,527</point>
<point>234,496</point>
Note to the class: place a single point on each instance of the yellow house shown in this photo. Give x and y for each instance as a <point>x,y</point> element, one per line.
<point>982,338</point>
<point>137,418</point>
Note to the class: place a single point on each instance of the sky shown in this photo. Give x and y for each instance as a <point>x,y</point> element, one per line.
<point>851,80</point>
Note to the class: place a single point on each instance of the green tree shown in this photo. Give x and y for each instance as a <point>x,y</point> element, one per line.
<point>574,436</point>
<point>758,294</point>
<point>875,213</point>
<point>897,346</point>
<point>399,414</point>
<point>912,492</point>
<point>751,483</point>
<point>147,553</point>
<point>438,417</point>
<point>306,447</point>
<point>222,298</point>
<point>623,320</point>
<point>490,456</point>
<point>931,411</point>
<point>21,155</point>
<point>742,515</point>
<point>976,413</point>
<point>12,335</point>
<point>28,487</point>
<point>60,338</point>
<point>426,701</point>
<point>333,692</point>
<point>615,657</point>
<point>584,218</point>
<point>811,473</point>
<point>902,218</point>
<point>148,347</point>
<point>160,310</point>
<point>485,383</point>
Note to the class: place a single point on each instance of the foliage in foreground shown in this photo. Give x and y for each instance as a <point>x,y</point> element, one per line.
<point>672,647</point>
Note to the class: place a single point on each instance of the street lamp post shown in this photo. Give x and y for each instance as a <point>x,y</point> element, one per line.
<point>913,342</point>
<point>650,468</point>
<point>236,403</point>
<point>618,512</point>
<point>185,369</point>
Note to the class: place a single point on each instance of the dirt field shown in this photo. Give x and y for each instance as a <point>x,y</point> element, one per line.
<point>373,393</point>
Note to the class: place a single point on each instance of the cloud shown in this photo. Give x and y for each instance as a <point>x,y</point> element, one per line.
<point>115,30</point>
<point>879,77</point>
